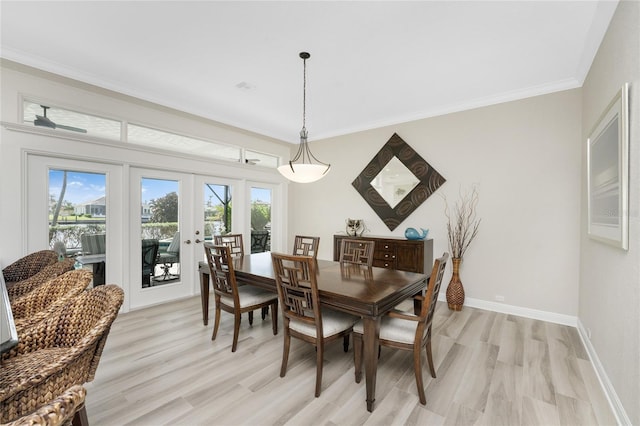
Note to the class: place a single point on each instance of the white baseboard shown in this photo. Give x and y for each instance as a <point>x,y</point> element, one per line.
<point>616,405</point>
<point>518,311</point>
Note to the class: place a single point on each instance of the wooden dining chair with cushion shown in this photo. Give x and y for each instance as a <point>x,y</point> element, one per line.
<point>62,351</point>
<point>407,331</point>
<point>48,298</point>
<point>28,266</point>
<point>233,241</point>
<point>21,288</point>
<point>230,297</point>
<point>306,246</point>
<point>303,316</point>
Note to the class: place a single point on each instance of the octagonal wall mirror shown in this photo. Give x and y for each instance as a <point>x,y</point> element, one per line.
<point>397,181</point>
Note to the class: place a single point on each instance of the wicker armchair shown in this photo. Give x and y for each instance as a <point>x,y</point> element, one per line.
<point>20,288</point>
<point>48,298</point>
<point>57,353</point>
<point>29,265</point>
<point>59,412</point>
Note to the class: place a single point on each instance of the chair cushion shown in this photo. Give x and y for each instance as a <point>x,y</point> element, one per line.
<point>394,329</point>
<point>333,322</point>
<point>249,296</point>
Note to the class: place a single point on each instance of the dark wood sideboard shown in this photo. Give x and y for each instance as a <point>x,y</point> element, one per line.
<point>395,253</point>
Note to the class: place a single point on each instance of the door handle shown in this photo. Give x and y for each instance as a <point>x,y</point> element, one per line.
<point>198,241</point>
<point>188,242</point>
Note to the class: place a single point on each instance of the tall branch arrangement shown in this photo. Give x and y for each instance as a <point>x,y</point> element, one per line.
<point>462,223</point>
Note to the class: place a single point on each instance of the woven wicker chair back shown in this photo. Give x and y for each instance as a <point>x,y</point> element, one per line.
<point>49,272</point>
<point>29,265</point>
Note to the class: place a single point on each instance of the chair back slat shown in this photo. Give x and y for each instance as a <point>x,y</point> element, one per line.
<point>298,288</point>
<point>356,251</point>
<point>433,289</point>
<point>306,246</point>
<point>233,241</point>
<point>223,277</point>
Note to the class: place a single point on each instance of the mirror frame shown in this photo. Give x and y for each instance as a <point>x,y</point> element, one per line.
<point>430,181</point>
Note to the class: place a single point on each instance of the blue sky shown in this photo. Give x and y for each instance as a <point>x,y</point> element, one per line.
<point>83,187</point>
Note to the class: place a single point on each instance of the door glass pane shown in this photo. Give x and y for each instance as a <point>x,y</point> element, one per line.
<point>78,218</point>
<point>217,210</point>
<point>160,231</point>
<point>260,220</point>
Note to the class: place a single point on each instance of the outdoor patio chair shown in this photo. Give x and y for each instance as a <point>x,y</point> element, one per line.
<point>149,260</point>
<point>168,258</point>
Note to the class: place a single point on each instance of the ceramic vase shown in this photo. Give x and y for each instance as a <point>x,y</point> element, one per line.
<point>455,290</point>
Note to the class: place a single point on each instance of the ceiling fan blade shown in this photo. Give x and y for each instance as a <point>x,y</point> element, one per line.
<point>46,122</point>
<point>73,129</point>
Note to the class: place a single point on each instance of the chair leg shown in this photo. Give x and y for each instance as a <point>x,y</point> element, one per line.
<point>217,322</point>
<point>265,311</point>
<point>357,355</point>
<point>285,352</point>
<point>250,317</point>
<point>345,343</point>
<point>430,358</point>
<point>319,363</point>
<point>274,317</point>
<point>417,366</point>
<point>80,417</point>
<point>236,331</point>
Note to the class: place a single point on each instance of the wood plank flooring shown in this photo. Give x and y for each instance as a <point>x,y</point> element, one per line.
<point>160,367</point>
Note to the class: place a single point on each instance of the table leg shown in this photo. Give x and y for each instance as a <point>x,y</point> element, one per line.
<point>370,338</point>
<point>204,296</point>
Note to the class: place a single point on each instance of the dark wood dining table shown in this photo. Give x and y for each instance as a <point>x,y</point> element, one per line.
<point>366,292</point>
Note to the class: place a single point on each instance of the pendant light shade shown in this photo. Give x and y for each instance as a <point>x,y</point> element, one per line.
<point>304,167</point>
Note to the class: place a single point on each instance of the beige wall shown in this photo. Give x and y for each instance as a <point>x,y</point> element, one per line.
<point>525,158</point>
<point>609,296</point>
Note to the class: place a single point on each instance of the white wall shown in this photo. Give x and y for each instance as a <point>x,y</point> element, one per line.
<point>525,158</point>
<point>17,140</point>
<point>609,296</point>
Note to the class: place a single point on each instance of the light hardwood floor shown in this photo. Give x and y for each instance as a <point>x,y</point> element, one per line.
<point>160,366</point>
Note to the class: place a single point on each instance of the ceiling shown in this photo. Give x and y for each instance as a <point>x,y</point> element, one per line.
<point>372,63</point>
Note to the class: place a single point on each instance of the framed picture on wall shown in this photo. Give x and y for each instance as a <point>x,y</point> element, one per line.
<point>608,174</point>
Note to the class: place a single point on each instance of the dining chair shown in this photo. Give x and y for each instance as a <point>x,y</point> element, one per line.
<point>306,246</point>
<point>234,241</point>
<point>303,316</point>
<point>407,331</point>
<point>356,251</point>
<point>230,297</point>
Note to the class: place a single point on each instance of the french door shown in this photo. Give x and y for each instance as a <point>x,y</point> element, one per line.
<point>161,238</point>
<point>75,207</point>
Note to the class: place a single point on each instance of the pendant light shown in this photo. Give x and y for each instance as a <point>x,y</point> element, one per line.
<point>302,168</point>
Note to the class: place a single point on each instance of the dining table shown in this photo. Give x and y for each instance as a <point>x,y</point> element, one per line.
<point>368,292</point>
